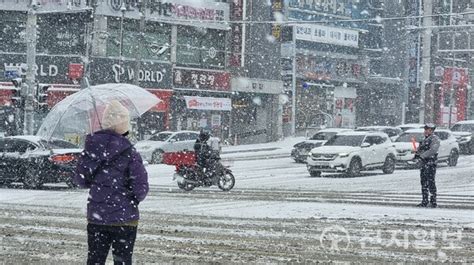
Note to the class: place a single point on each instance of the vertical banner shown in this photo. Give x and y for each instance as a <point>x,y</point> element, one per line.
<point>277,8</point>
<point>236,33</point>
<point>453,95</point>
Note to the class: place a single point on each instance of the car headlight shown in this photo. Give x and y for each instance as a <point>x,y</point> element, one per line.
<point>466,138</point>
<point>343,154</point>
<point>310,154</point>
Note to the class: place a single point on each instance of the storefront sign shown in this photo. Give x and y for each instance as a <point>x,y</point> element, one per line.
<point>203,13</point>
<point>202,80</point>
<point>236,35</point>
<point>150,75</point>
<point>316,68</point>
<point>48,69</point>
<point>330,35</point>
<point>252,85</point>
<point>208,103</point>
<point>337,7</point>
<point>45,6</point>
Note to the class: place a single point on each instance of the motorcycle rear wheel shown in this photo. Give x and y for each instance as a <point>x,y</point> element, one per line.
<point>226,182</point>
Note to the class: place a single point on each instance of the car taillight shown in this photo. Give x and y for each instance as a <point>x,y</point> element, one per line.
<point>62,159</point>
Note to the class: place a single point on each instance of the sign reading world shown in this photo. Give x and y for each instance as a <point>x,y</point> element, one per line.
<point>330,35</point>
<point>205,13</point>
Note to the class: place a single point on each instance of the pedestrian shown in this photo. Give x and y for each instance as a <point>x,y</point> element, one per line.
<point>427,153</point>
<point>114,173</point>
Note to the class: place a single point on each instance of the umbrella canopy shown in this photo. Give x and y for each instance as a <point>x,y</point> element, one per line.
<point>81,113</point>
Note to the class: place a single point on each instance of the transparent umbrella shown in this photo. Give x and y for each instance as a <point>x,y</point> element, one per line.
<point>81,113</point>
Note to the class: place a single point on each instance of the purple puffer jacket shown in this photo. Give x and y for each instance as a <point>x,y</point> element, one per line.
<point>118,185</point>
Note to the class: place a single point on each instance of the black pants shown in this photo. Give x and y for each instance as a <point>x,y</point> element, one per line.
<point>428,184</point>
<point>101,237</point>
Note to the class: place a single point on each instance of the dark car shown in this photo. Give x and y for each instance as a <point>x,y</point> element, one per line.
<point>464,132</point>
<point>35,161</point>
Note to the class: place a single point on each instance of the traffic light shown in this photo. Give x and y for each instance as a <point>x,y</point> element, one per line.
<point>42,97</point>
<point>16,92</point>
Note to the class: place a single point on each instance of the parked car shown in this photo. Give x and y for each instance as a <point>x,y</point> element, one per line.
<point>448,150</point>
<point>409,126</point>
<point>300,150</point>
<point>392,132</point>
<point>34,161</point>
<point>152,150</point>
<point>464,132</point>
<point>352,152</point>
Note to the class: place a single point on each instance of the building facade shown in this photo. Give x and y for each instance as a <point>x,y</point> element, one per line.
<point>331,65</point>
<point>182,51</point>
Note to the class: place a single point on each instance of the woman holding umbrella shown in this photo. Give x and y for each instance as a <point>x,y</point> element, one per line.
<point>117,180</point>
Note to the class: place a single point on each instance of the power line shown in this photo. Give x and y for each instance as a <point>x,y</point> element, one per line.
<point>293,22</point>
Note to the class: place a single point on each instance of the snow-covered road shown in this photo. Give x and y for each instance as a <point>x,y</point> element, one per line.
<point>275,213</point>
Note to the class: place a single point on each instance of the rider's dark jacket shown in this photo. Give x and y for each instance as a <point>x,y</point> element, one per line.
<point>203,152</point>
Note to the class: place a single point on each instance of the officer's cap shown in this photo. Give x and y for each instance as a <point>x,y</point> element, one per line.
<point>430,126</point>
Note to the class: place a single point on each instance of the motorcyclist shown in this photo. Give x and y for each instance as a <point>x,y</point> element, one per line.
<point>203,152</point>
<point>427,153</point>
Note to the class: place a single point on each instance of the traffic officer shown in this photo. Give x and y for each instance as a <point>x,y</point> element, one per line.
<point>427,153</point>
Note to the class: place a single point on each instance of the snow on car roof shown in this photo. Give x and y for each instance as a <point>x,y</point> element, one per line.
<point>465,122</point>
<point>414,125</point>
<point>335,130</point>
<point>422,130</point>
<point>363,133</point>
<point>374,127</point>
<point>173,132</point>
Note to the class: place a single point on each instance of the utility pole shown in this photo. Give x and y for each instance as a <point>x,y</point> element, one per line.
<point>293,86</point>
<point>30,71</point>
<point>426,56</point>
<point>141,40</point>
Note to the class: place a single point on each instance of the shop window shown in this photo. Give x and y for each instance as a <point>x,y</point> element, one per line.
<point>13,32</point>
<point>156,36</point>
<point>61,33</point>
<point>200,47</point>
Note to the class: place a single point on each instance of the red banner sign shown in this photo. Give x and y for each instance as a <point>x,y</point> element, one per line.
<point>202,80</point>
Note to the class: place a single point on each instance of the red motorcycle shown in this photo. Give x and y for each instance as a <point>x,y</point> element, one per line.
<point>188,175</point>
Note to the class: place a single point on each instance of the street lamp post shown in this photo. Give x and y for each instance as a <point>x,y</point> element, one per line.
<point>123,8</point>
<point>30,71</point>
<point>141,40</point>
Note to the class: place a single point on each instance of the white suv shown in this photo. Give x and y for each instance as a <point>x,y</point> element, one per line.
<point>352,152</point>
<point>448,147</point>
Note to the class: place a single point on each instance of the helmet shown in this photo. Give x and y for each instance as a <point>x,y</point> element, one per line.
<point>430,126</point>
<point>204,135</point>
